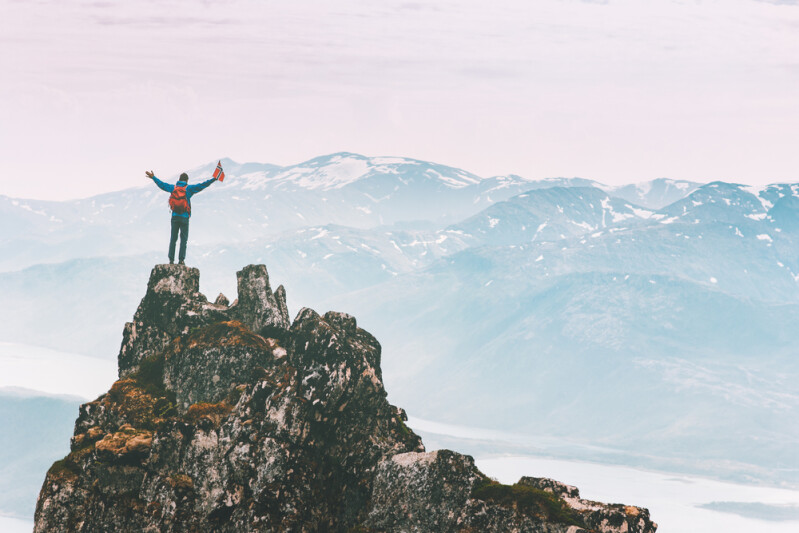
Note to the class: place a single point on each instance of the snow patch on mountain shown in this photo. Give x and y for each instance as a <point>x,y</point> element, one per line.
<point>338,172</point>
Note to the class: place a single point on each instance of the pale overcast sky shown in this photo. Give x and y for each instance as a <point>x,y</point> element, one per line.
<point>94,93</point>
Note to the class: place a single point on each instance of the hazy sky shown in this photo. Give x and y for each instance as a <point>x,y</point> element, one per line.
<point>94,93</point>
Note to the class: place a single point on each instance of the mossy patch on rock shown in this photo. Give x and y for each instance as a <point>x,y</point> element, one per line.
<point>226,333</point>
<point>126,445</point>
<point>64,471</point>
<point>180,482</point>
<point>141,406</point>
<point>150,375</point>
<point>528,500</point>
<point>215,412</point>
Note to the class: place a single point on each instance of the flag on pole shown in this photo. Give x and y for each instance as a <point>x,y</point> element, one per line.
<point>219,173</point>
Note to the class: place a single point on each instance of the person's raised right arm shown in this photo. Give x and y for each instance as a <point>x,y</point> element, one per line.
<point>163,186</point>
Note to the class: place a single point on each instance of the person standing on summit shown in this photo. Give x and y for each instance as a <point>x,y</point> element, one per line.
<point>180,204</point>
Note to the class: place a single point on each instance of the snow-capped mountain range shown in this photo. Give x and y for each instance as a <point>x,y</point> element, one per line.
<point>653,323</point>
<point>258,200</point>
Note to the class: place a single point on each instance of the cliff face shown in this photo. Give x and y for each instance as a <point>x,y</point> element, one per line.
<point>233,418</point>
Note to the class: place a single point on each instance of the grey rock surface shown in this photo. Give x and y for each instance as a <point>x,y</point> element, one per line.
<point>421,491</point>
<point>214,360</point>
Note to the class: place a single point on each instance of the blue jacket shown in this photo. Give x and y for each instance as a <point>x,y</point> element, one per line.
<point>190,191</point>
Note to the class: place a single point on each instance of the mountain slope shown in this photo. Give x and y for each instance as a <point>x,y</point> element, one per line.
<point>548,215</point>
<point>668,371</point>
<point>655,194</point>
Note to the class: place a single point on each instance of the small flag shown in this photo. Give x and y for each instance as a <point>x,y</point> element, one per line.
<point>219,173</point>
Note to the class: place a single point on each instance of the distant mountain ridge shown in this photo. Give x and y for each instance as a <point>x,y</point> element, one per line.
<point>260,199</point>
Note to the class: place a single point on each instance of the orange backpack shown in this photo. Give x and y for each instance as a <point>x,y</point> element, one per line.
<point>178,202</point>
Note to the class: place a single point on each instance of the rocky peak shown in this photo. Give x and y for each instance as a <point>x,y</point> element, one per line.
<point>175,280</point>
<point>173,306</point>
<point>232,418</point>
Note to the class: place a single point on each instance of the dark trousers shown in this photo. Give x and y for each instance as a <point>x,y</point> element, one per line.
<point>179,224</point>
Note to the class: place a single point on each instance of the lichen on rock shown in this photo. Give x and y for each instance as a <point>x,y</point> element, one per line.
<point>233,418</point>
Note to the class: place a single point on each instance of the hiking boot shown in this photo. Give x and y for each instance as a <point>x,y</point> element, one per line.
<point>171,261</point>
<point>181,262</point>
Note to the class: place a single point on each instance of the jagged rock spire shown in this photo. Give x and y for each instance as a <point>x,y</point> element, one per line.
<point>263,311</point>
